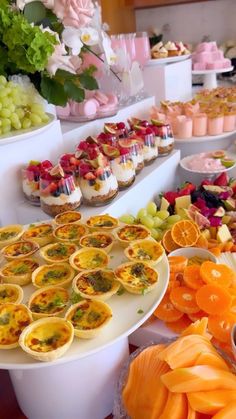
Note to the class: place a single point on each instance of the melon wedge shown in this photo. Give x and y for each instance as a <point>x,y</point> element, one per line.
<point>198,378</point>
<point>197,328</point>
<point>210,402</point>
<point>213,359</point>
<point>175,408</point>
<point>229,412</point>
<point>192,414</point>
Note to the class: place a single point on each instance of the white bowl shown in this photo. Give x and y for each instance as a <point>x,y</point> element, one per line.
<point>184,164</point>
<point>190,252</point>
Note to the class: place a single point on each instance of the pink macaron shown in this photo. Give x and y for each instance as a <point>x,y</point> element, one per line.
<point>63,111</point>
<point>88,107</point>
<point>112,99</point>
<point>101,98</point>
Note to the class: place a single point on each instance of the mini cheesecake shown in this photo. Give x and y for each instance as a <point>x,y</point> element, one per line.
<point>19,250</point>
<point>48,301</point>
<point>13,320</point>
<point>104,222</point>
<point>60,274</point>
<point>58,252</point>
<point>10,293</point>
<point>89,258</point>
<point>129,233</point>
<point>89,317</point>
<point>70,233</point>
<point>148,251</point>
<point>18,271</point>
<point>47,339</point>
<point>99,239</point>
<point>67,217</point>
<point>98,284</point>
<point>137,277</point>
<point>41,234</point>
<point>10,234</point>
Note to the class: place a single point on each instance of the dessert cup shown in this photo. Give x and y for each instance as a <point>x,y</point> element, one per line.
<point>229,122</point>
<point>134,147</point>
<point>99,186</point>
<point>199,125</point>
<point>150,148</point>
<point>30,180</point>
<point>124,170</point>
<point>185,127</point>
<point>164,138</point>
<point>215,124</point>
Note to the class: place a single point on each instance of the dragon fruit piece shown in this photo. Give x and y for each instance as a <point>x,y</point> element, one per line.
<point>215,221</point>
<point>224,195</point>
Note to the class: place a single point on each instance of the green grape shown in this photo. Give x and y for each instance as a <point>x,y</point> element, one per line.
<point>16,125</point>
<point>162,214</point>
<point>6,129</point>
<point>155,234</point>
<point>20,112</point>
<point>5,113</point>
<point>172,219</point>
<point>151,208</point>
<point>164,226</point>
<point>14,118</point>
<point>147,221</point>
<point>26,123</point>
<point>45,118</point>
<point>157,221</point>
<point>6,101</point>
<point>37,108</point>
<point>12,107</point>
<point>6,122</point>
<point>35,119</point>
<point>3,80</point>
<point>127,218</point>
<point>141,213</point>
<point>3,92</point>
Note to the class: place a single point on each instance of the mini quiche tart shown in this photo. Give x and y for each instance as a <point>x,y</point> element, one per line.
<point>19,250</point>
<point>89,317</point>
<point>70,232</point>
<point>10,293</point>
<point>100,239</point>
<point>58,252</point>
<point>137,277</point>
<point>47,339</point>
<point>130,233</point>
<point>67,217</point>
<point>104,222</point>
<point>13,320</point>
<point>148,251</point>
<point>48,301</point>
<point>41,234</point>
<point>60,274</point>
<point>10,234</point>
<point>89,258</point>
<point>18,271</point>
<point>98,284</point>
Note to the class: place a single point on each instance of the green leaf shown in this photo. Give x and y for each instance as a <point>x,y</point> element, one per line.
<point>74,92</point>
<point>35,12</point>
<point>88,82</point>
<point>53,91</point>
<point>65,75</point>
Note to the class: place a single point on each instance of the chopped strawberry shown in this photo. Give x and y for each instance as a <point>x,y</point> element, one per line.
<point>99,171</point>
<point>222,179</point>
<point>206,182</point>
<point>120,125</point>
<point>52,187</point>
<point>90,176</point>
<point>171,197</point>
<point>84,168</point>
<point>187,189</point>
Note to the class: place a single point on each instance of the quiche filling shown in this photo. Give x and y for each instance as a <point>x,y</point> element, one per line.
<point>60,251</point>
<point>19,267</point>
<point>68,217</point>
<point>38,231</point>
<point>20,249</point>
<point>6,235</point>
<point>91,260</point>
<point>49,301</point>
<point>13,319</point>
<point>99,240</point>
<point>138,275</point>
<point>53,274</point>
<point>89,315</point>
<point>96,283</point>
<point>70,232</point>
<point>146,250</point>
<point>102,221</point>
<point>130,233</point>
<point>8,295</point>
<point>47,337</point>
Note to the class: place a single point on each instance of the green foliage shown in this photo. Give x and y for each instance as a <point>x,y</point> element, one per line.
<point>35,12</point>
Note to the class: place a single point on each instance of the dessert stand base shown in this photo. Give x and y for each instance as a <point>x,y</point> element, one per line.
<point>210,80</point>
<point>79,389</point>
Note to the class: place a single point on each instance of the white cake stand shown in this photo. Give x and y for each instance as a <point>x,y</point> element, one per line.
<point>210,81</point>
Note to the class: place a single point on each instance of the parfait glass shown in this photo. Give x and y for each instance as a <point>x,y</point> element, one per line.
<point>30,186</point>
<point>124,170</point>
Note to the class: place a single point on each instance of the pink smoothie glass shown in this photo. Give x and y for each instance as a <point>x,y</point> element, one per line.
<point>142,48</point>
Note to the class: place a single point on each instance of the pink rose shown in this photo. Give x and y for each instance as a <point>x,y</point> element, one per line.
<point>75,13</point>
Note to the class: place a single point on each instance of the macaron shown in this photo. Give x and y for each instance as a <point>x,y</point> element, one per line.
<point>101,98</point>
<point>88,107</point>
<point>112,99</point>
<point>63,110</point>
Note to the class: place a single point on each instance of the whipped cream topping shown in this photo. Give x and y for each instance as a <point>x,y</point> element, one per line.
<point>100,188</point>
<point>75,196</point>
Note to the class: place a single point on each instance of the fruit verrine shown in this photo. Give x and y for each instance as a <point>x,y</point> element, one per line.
<point>70,163</point>
<point>134,147</point>
<point>163,136</point>
<point>146,136</point>
<point>58,192</point>
<point>31,177</point>
<point>118,129</point>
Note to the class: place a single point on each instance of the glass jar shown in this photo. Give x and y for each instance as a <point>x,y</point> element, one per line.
<point>98,186</point>
<point>164,138</point>
<point>150,148</point>
<point>124,170</point>
<point>134,148</point>
<point>30,180</point>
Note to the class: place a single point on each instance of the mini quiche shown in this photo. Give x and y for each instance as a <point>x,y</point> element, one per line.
<point>98,284</point>
<point>60,274</point>
<point>67,217</point>
<point>10,234</point>
<point>10,293</point>
<point>47,339</point>
<point>89,317</point>
<point>129,233</point>
<point>13,320</point>
<point>18,271</point>
<point>148,251</point>
<point>70,233</point>
<point>100,239</point>
<point>41,234</point>
<point>104,222</point>
<point>137,277</point>
<point>58,252</point>
<point>19,250</point>
<point>89,258</point>
<point>48,301</point>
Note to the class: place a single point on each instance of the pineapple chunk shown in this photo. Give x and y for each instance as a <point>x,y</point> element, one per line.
<point>164,204</point>
<point>223,234</point>
<point>182,202</point>
<point>206,233</point>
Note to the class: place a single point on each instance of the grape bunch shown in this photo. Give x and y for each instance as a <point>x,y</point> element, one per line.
<point>19,109</point>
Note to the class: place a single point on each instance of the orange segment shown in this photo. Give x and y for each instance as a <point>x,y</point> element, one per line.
<point>232,309</point>
<point>183,298</point>
<point>166,311</point>
<point>213,299</point>
<point>212,273</point>
<point>177,263</point>
<point>179,325</point>
<point>220,326</point>
<point>185,233</point>
<point>202,242</point>
<point>192,277</point>
<point>168,243</point>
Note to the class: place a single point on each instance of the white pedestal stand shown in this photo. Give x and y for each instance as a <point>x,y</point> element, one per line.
<point>210,80</point>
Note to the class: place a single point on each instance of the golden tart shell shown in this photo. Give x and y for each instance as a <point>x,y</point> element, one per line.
<point>42,234</point>
<point>131,232</point>
<point>57,252</point>
<point>57,274</point>
<point>10,234</point>
<point>89,257</point>
<point>96,284</point>
<point>98,239</point>
<point>16,323</point>
<point>48,302</point>
<point>18,271</point>
<point>89,317</point>
<point>47,339</point>
<point>148,251</point>
<point>71,232</point>
<point>102,222</point>
<point>137,277</point>
<point>19,250</point>
<point>67,217</point>
<point>11,293</point>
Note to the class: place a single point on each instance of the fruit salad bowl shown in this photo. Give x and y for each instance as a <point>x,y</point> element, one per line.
<point>194,252</point>
<point>208,164</point>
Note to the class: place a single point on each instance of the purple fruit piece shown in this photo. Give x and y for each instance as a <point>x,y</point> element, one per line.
<point>215,221</point>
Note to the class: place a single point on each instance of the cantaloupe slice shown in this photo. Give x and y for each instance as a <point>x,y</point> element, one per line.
<point>192,414</point>
<point>198,378</point>
<point>210,402</point>
<point>212,359</point>
<point>197,328</point>
<point>229,412</point>
<point>176,407</point>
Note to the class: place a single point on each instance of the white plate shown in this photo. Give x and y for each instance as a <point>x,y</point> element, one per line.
<point>185,160</point>
<point>126,320</point>
<point>204,139</point>
<point>22,134</point>
<point>168,60</point>
<point>215,71</point>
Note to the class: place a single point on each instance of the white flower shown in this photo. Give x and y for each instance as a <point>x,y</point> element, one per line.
<point>71,38</point>
<point>108,51</point>
<point>89,36</point>
<point>60,60</point>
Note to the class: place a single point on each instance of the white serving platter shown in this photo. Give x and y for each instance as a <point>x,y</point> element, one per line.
<point>168,60</point>
<point>205,138</point>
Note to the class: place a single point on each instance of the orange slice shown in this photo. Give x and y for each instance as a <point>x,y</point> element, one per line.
<point>220,326</point>
<point>213,299</point>
<point>177,263</point>
<point>183,298</point>
<point>166,311</point>
<point>212,273</point>
<point>197,316</point>
<point>185,233</point>
<point>168,243</point>
<point>179,325</point>
<point>202,242</point>
<point>232,308</point>
<point>192,277</point>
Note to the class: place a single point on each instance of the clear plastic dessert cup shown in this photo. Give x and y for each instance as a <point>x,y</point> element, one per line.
<point>150,148</point>
<point>30,186</point>
<point>98,186</point>
<point>164,138</point>
<point>124,170</point>
<point>134,147</point>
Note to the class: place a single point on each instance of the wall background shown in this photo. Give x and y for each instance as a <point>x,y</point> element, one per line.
<point>191,22</point>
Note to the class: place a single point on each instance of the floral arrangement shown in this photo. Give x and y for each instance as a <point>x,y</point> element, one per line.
<point>48,41</point>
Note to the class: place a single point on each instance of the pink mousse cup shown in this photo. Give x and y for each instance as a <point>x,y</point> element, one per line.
<point>199,125</point>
